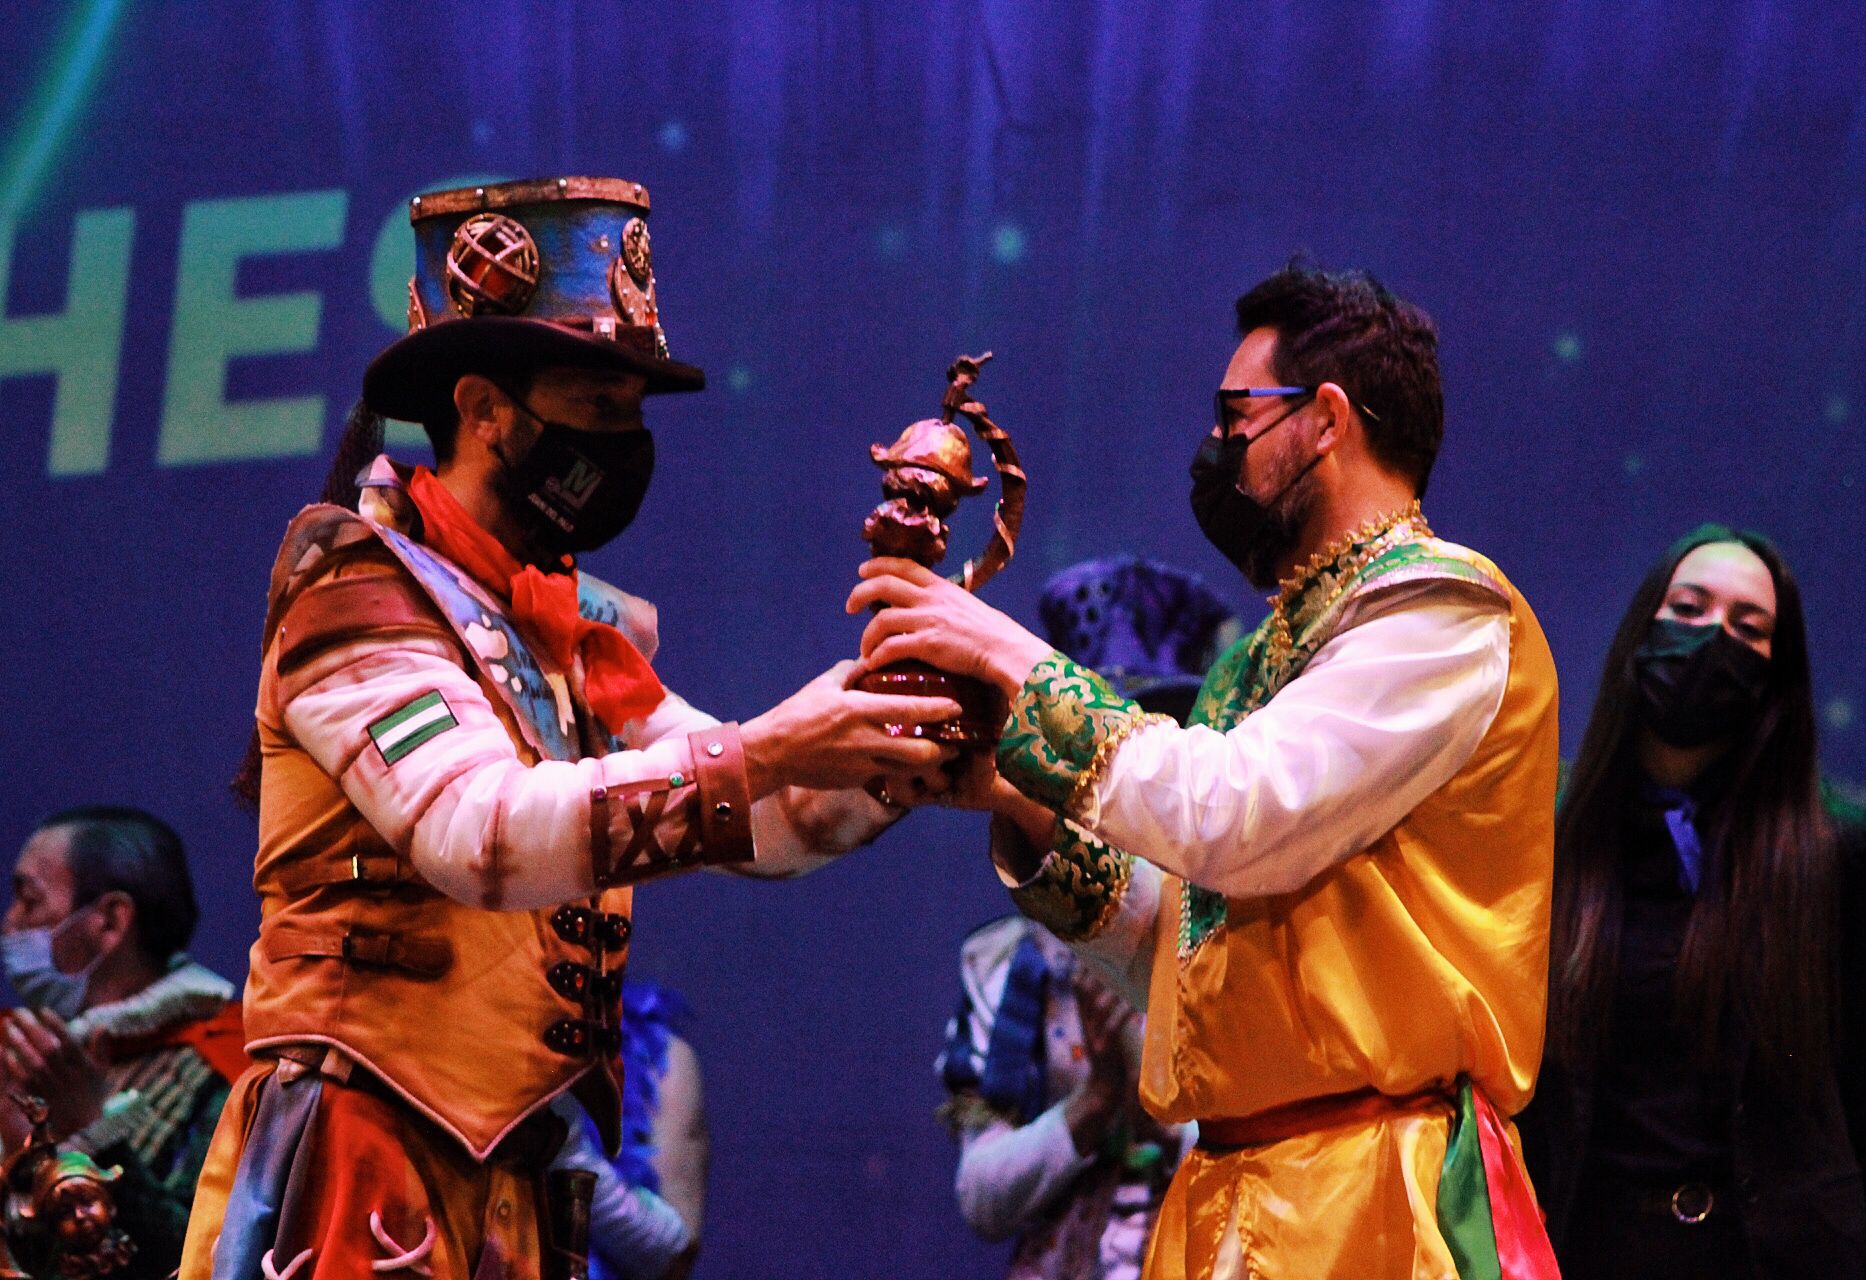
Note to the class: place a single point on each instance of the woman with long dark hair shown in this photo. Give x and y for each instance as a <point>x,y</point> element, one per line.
<point>1692,1116</point>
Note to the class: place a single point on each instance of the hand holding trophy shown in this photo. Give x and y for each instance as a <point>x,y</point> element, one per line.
<point>914,647</point>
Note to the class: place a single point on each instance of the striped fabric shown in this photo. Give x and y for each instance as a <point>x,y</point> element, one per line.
<point>422,720</point>
<point>156,1107</point>
<point>169,1082</point>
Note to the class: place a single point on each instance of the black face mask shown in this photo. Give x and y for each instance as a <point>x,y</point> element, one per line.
<point>1255,536</point>
<point>1697,684</point>
<point>575,490</point>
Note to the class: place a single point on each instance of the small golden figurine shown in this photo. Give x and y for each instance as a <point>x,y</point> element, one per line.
<point>59,1216</point>
<point>926,473</point>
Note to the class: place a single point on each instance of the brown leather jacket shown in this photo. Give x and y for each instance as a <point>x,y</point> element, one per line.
<point>446,915</point>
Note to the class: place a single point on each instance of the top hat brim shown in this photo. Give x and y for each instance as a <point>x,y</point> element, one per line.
<point>413,379</point>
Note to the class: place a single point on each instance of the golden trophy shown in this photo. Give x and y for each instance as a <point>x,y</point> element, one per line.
<point>925,475</point>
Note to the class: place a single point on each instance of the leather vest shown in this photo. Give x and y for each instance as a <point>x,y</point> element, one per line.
<point>476,1017</point>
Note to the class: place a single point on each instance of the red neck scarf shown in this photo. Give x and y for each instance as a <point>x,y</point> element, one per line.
<point>618,683</point>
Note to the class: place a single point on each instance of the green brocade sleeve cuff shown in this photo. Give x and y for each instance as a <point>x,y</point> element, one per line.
<point>1078,887</point>
<point>1062,717</point>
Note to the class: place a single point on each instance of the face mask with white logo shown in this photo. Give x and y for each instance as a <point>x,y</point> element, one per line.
<point>577,489</point>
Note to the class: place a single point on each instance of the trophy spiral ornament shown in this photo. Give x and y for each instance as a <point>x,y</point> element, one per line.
<point>926,473</point>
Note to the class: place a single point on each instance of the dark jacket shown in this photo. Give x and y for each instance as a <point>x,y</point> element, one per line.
<point>1796,1161</point>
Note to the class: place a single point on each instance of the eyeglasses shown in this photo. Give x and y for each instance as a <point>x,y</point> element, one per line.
<point>1227,414</point>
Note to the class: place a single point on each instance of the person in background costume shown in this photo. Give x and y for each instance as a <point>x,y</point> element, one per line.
<point>466,759</point>
<point>1700,1110</point>
<point>1042,1059</point>
<point>1331,891</point>
<point>131,1045</point>
<point>650,1198</point>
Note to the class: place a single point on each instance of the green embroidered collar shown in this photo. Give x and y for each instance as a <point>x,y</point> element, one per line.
<point>1314,588</point>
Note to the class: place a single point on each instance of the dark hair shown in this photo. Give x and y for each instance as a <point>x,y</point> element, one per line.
<point>1344,327</point>
<point>1759,941</point>
<point>357,446</point>
<point>118,849</point>
<point>442,427</point>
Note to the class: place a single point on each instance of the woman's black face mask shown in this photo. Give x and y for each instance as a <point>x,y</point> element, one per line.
<point>1697,683</point>
<point>575,489</point>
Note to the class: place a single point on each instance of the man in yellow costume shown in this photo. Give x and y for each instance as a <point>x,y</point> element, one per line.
<point>1331,890</point>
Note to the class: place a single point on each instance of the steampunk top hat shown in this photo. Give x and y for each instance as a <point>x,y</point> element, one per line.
<point>520,276</point>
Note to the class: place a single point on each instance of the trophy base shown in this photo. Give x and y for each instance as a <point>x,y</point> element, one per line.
<point>982,708</point>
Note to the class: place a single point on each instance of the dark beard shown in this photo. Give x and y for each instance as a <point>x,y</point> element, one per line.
<point>1281,533</point>
<point>539,546</point>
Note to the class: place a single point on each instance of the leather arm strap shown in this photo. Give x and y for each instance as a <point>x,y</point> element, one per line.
<point>337,610</point>
<point>715,801</point>
<point>724,795</point>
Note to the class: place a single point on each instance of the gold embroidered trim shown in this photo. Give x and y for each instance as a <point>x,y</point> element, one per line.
<point>964,1112</point>
<point>1124,872</point>
<point>1078,887</point>
<point>1090,778</point>
<point>1340,561</point>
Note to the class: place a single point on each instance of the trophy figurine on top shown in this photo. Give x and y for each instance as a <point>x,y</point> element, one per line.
<point>925,475</point>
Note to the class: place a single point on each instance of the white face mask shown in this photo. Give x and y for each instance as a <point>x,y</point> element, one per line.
<point>27,957</point>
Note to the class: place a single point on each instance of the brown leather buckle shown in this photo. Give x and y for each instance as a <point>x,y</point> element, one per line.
<point>422,957</point>
<point>370,948</point>
<point>1692,1203</point>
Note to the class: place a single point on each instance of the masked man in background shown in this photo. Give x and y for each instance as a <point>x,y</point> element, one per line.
<point>1042,1058</point>
<point>1331,891</point>
<point>129,1043</point>
<point>466,758</point>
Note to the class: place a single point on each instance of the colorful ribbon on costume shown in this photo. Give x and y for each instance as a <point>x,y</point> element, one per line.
<point>1012,1079</point>
<point>1486,1209</point>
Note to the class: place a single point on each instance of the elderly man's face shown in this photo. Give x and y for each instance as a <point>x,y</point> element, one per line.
<point>44,896</point>
<point>42,884</point>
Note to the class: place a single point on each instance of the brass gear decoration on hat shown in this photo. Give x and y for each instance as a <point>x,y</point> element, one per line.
<point>492,266</point>
<point>638,253</point>
<point>631,279</point>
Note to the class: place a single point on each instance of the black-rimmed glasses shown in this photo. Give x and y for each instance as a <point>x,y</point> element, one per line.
<point>1227,414</point>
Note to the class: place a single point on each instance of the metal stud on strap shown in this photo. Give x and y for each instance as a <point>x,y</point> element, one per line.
<point>580,1037</point>
<point>582,927</point>
<point>569,980</point>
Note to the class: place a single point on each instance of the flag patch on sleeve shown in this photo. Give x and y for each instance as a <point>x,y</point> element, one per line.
<point>422,720</point>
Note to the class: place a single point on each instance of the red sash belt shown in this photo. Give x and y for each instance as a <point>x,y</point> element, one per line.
<point>1486,1211</point>
<point>1297,1118</point>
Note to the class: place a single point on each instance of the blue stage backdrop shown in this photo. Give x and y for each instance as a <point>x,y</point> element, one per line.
<point>1638,225</point>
